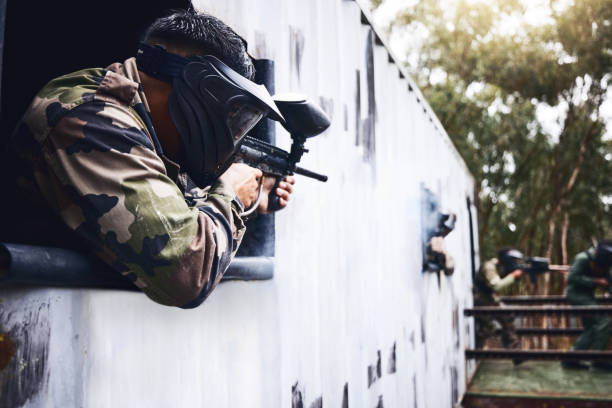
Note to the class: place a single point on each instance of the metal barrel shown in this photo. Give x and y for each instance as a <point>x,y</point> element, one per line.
<point>307,173</point>
<point>538,310</point>
<point>46,266</point>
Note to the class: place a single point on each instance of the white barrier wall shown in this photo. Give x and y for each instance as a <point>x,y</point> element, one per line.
<point>349,319</point>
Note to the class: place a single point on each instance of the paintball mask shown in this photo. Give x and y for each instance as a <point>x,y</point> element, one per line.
<point>603,253</point>
<point>510,259</point>
<point>212,106</point>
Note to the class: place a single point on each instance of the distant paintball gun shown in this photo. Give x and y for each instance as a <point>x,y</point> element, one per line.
<point>535,265</point>
<point>303,119</point>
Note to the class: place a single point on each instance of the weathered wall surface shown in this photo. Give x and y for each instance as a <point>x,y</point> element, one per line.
<point>349,319</point>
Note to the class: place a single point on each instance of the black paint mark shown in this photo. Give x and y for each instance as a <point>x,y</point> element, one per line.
<point>369,138</point>
<point>364,19</point>
<point>375,371</point>
<point>371,375</point>
<point>370,78</point>
<point>366,134</point>
<point>346,119</point>
<point>423,336</point>
<point>327,104</point>
<point>456,327</point>
<point>297,397</point>
<point>377,40</point>
<point>357,108</point>
<point>414,391</point>
<point>318,403</point>
<point>454,384</point>
<point>392,366</point>
<point>412,339</point>
<point>380,402</point>
<point>26,347</point>
<point>345,396</point>
<point>296,50</point>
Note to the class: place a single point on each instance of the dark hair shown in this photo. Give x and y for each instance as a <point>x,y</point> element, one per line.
<point>204,33</point>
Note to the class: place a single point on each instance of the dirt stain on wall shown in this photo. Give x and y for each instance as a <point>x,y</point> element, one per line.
<point>24,351</point>
<point>7,350</point>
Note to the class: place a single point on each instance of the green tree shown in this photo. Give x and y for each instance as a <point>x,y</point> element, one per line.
<point>543,193</point>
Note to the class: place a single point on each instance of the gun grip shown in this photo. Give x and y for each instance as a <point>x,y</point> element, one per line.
<point>273,198</point>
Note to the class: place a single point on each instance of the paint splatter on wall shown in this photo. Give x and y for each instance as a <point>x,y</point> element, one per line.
<point>24,347</point>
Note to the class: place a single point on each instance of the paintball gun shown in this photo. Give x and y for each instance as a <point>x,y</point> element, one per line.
<point>303,119</point>
<point>535,265</point>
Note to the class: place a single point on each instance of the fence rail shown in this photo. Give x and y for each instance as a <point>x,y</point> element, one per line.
<point>538,310</point>
<point>539,354</point>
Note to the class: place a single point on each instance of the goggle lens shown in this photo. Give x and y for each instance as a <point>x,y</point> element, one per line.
<point>241,118</point>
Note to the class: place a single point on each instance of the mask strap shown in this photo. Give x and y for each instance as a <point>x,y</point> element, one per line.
<point>155,61</point>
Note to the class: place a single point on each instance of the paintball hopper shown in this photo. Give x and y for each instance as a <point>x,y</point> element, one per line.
<point>510,258</point>
<point>303,118</point>
<point>535,265</point>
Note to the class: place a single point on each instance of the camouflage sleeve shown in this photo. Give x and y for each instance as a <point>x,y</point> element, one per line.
<point>502,284</point>
<point>494,281</point>
<point>111,188</point>
<point>579,272</point>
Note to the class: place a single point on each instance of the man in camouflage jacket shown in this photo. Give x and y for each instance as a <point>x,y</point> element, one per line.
<point>494,277</point>
<point>97,168</point>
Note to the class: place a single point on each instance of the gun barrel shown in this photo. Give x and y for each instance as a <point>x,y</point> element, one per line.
<point>307,173</point>
<point>561,268</point>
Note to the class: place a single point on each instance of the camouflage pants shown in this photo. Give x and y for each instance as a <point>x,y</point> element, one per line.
<point>485,326</point>
<point>597,329</point>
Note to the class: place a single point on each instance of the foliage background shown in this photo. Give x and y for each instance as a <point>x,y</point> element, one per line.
<point>522,89</point>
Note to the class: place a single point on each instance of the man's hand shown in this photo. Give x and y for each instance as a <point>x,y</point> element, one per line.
<point>283,191</point>
<point>245,182</point>
<point>437,245</point>
<point>517,273</point>
<point>601,282</point>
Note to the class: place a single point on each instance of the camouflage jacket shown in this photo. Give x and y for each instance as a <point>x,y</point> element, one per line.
<point>489,280</point>
<point>91,157</point>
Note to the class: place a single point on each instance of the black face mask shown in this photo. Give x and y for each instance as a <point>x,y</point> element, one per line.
<point>212,106</point>
<point>510,260</point>
<point>509,267</point>
<point>603,254</point>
